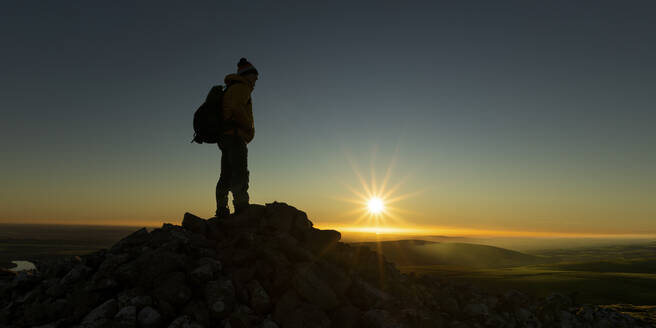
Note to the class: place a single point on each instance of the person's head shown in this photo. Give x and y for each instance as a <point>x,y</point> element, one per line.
<point>247,70</point>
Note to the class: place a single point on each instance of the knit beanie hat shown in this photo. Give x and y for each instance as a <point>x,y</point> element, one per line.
<point>244,67</point>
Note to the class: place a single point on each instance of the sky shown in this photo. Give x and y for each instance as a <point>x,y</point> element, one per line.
<point>510,117</point>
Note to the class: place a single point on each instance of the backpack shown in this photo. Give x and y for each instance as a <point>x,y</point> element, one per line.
<point>208,118</point>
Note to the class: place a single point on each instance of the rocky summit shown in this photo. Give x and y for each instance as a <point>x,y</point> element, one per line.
<point>266,267</point>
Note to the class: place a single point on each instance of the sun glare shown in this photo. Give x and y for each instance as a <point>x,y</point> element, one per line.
<point>375,205</point>
<point>377,200</point>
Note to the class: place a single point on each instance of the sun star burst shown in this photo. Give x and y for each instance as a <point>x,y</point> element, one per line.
<point>376,200</point>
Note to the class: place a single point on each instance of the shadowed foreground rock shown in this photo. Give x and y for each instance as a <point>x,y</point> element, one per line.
<point>267,267</point>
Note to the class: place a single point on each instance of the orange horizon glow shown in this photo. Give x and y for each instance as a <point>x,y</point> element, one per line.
<point>468,232</point>
<point>417,231</point>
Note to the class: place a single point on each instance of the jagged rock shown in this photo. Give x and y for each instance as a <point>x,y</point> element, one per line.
<point>266,323</point>
<point>173,289</point>
<point>141,301</point>
<point>198,311</point>
<point>293,250</point>
<point>336,278</point>
<point>57,267</point>
<point>347,316</point>
<point>449,304</point>
<point>56,309</point>
<point>377,318</point>
<point>111,262</point>
<point>202,274</point>
<point>99,284</point>
<point>513,300</point>
<point>149,318</point>
<point>288,303</point>
<point>259,299</point>
<point>194,223</point>
<point>552,305</point>
<point>184,322</point>
<point>101,313</point>
<point>153,265</point>
<point>366,296</point>
<point>476,309</point>
<point>134,239</point>
<point>316,291</point>
<point>320,240</point>
<point>280,217</point>
<point>50,325</point>
<point>306,316</point>
<point>215,265</point>
<point>220,297</point>
<point>242,316</point>
<point>127,316</point>
<point>526,318</point>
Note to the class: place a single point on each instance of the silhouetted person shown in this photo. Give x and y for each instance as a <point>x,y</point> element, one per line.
<point>238,112</point>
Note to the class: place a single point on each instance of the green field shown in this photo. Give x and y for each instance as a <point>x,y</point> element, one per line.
<point>597,275</point>
<point>541,280</point>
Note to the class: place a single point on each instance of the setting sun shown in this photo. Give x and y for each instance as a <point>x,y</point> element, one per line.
<point>375,205</point>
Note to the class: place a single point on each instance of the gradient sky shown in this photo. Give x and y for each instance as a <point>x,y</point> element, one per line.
<point>494,115</point>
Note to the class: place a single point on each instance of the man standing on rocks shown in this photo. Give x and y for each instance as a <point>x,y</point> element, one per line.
<point>238,115</point>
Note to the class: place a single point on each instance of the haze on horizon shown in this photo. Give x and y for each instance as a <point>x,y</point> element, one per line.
<point>500,117</point>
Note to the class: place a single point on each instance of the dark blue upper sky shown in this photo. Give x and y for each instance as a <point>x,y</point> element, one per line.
<point>540,115</point>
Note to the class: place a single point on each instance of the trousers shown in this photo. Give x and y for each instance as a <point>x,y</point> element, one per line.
<point>234,173</point>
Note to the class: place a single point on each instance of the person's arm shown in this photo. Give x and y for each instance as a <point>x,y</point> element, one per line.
<point>234,105</point>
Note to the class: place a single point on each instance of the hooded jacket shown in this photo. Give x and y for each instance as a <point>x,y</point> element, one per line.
<point>238,106</point>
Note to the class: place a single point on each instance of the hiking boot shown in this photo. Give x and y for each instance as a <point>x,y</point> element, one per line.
<point>222,213</point>
<point>241,208</point>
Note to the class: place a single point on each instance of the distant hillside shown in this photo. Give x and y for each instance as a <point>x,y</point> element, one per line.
<point>37,241</point>
<point>422,252</point>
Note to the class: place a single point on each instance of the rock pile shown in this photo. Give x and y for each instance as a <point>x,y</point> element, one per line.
<point>267,267</point>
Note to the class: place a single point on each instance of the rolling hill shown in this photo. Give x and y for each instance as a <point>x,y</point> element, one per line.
<point>422,252</point>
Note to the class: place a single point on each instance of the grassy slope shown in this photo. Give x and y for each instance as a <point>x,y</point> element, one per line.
<point>542,280</point>
<point>597,275</point>
<point>419,252</point>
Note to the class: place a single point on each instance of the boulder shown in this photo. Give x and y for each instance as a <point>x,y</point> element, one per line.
<point>127,316</point>
<point>214,264</point>
<point>310,287</point>
<point>267,323</point>
<point>184,322</point>
<point>476,309</point>
<point>141,301</point>
<point>377,318</point>
<point>365,296</point>
<point>202,274</point>
<point>173,289</point>
<point>347,316</point>
<point>132,240</point>
<point>306,316</point>
<point>220,297</point>
<point>282,218</point>
<point>259,299</point>
<point>320,241</point>
<point>102,312</point>
<point>194,223</point>
<point>149,318</point>
<point>198,311</point>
